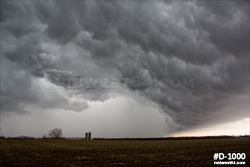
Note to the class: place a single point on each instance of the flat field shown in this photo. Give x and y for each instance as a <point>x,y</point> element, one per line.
<point>72,153</point>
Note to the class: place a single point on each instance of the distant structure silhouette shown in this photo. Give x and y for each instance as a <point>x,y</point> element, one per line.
<point>88,136</point>
<point>1,133</point>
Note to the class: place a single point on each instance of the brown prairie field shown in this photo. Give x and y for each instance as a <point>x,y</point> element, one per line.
<point>74,153</point>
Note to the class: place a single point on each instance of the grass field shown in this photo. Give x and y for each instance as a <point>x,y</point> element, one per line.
<point>46,152</point>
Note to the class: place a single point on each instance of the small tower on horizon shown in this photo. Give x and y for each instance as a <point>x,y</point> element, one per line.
<point>88,136</point>
<point>1,133</point>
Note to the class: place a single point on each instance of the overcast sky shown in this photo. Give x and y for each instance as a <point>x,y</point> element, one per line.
<point>124,68</point>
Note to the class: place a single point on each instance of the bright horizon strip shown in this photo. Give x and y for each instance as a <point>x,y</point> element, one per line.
<point>235,128</point>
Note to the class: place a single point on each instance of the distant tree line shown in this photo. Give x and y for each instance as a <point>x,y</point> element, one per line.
<point>21,137</point>
<point>177,138</point>
<point>52,134</point>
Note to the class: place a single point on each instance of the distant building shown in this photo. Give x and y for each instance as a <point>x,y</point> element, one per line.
<point>1,135</point>
<point>88,136</point>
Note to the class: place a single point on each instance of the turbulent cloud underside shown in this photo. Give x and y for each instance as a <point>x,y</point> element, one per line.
<point>44,44</point>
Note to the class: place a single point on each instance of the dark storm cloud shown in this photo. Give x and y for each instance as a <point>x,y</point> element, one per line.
<point>150,41</point>
<point>225,25</point>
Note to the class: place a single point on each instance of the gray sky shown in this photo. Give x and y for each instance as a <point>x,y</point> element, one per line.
<point>123,68</point>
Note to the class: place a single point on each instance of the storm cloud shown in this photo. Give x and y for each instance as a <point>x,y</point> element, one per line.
<point>189,59</point>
